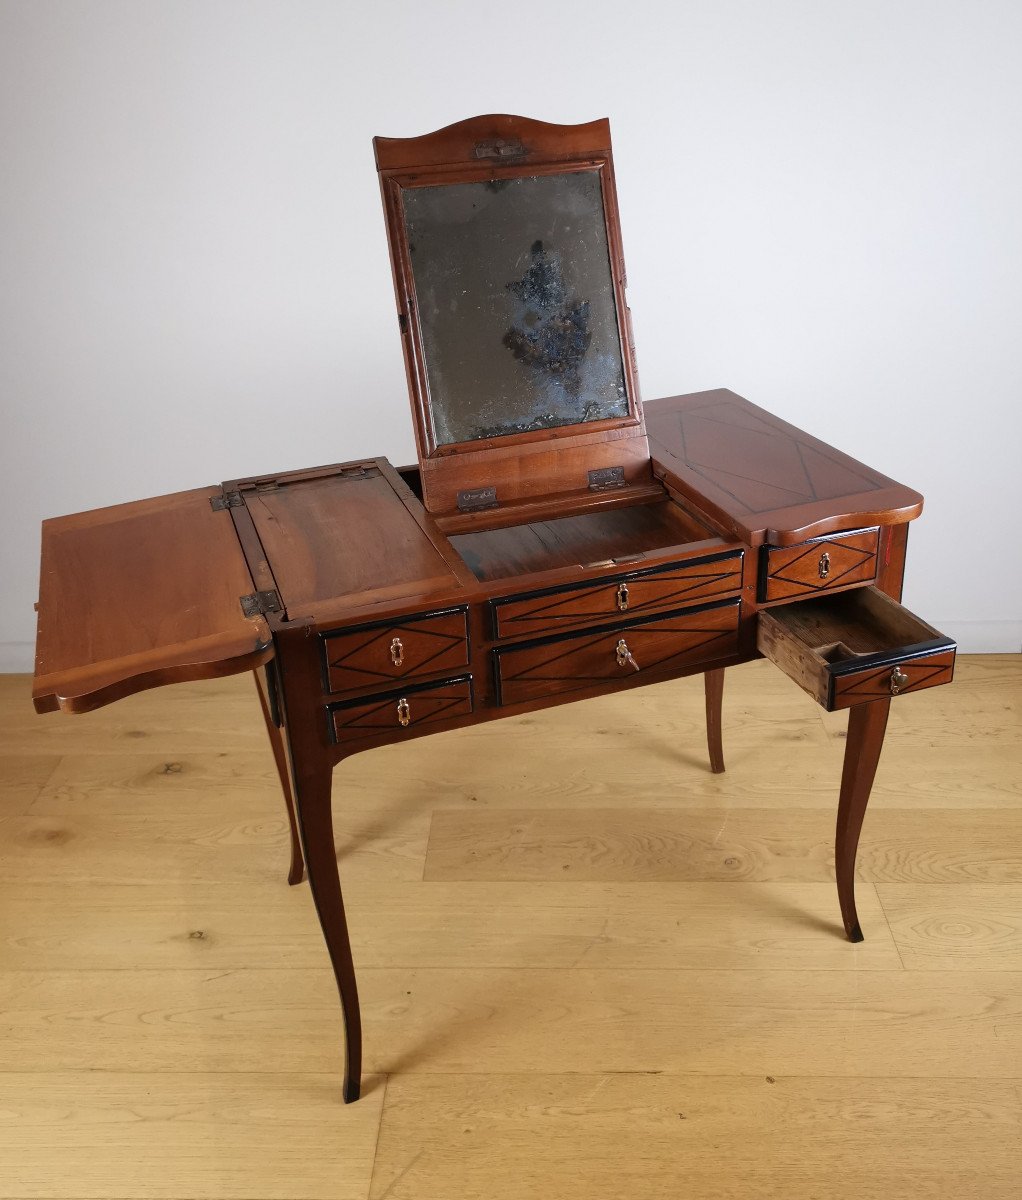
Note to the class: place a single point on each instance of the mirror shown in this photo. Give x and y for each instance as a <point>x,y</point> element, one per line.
<point>516,306</point>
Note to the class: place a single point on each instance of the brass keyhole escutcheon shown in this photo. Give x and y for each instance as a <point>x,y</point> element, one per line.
<point>404,713</point>
<point>622,596</point>
<point>397,652</point>
<point>624,655</point>
<point>824,565</point>
<point>898,680</point>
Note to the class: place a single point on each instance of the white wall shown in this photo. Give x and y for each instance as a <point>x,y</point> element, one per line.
<point>821,202</point>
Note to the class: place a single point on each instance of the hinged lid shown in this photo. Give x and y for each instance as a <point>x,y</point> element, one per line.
<point>142,594</point>
<point>341,537</point>
<point>510,284</point>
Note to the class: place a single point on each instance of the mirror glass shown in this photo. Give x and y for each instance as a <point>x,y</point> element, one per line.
<point>516,305</point>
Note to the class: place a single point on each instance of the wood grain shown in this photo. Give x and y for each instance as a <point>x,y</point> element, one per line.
<point>138,595</point>
<point>167,1135</point>
<point>538,1040</point>
<point>969,927</point>
<point>749,845</point>
<point>22,778</point>
<point>831,1023</point>
<point>142,850</point>
<point>824,564</point>
<point>762,479</point>
<point>158,784</point>
<point>385,554</point>
<point>206,926</point>
<point>623,1136</point>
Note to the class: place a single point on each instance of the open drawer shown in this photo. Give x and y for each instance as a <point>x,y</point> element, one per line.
<point>855,647</point>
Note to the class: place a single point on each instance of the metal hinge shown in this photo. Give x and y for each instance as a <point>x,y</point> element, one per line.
<point>477,498</point>
<point>227,500</point>
<point>258,604</point>
<point>606,477</point>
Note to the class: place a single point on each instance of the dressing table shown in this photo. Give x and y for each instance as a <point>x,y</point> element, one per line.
<point>555,540</point>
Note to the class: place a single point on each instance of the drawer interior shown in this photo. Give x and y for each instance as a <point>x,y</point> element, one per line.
<point>843,649</point>
<point>623,535</point>
<point>852,625</point>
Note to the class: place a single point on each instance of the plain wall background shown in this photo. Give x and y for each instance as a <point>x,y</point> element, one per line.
<point>821,205</point>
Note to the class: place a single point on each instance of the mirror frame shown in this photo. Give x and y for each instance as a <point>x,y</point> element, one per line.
<point>505,147</point>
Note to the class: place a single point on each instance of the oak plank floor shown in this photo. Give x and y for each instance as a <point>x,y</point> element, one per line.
<point>588,966</point>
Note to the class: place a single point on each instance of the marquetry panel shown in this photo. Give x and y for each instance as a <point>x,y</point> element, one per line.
<point>822,565</point>
<point>636,593</point>
<point>763,479</point>
<point>402,710</point>
<point>377,655</point>
<point>879,682</point>
<point>587,659</point>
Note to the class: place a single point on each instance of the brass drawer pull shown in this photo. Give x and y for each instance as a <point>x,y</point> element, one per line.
<point>898,680</point>
<point>824,567</point>
<point>397,652</point>
<point>622,596</point>
<point>404,713</point>
<point>624,655</point>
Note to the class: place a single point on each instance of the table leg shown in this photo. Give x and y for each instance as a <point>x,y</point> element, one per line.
<point>315,820</point>
<point>714,683</point>
<point>296,868</point>
<point>866,726</point>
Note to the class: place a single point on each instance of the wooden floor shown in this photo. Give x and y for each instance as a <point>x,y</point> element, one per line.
<point>589,967</point>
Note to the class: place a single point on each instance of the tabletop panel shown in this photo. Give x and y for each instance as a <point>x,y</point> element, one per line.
<point>141,594</point>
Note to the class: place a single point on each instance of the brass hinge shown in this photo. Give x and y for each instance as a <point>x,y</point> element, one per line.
<point>605,478</point>
<point>227,500</point>
<point>476,499</point>
<point>258,604</point>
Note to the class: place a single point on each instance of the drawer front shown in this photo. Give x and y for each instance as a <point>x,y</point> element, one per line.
<point>402,710</point>
<point>637,594</point>
<point>890,678</point>
<point>373,656</point>
<point>822,565</point>
<point>615,653</point>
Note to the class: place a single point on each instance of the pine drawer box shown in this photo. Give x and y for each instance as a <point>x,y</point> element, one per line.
<point>854,648</point>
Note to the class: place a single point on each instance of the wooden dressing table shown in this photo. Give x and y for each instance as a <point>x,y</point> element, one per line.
<point>554,542</point>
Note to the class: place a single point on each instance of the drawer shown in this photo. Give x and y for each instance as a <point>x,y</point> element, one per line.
<point>613,653</point>
<point>401,709</point>
<point>637,593</point>
<point>371,656</point>
<point>856,647</point>
<point>824,564</point>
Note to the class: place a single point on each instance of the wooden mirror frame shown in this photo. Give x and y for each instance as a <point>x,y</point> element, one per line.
<point>501,480</point>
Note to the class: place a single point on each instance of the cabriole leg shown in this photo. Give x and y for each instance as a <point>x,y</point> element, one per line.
<point>315,820</point>
<point>714,681</point>
<point>263,685</point>
<point>866,726</point>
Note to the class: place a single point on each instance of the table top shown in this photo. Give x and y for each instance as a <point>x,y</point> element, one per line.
<point>762,479</point>
<point>148,593</point>
<point>138,595</point>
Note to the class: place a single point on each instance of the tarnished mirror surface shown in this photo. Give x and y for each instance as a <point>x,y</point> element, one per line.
<point>515,305</point>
